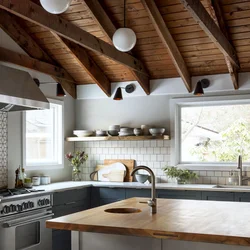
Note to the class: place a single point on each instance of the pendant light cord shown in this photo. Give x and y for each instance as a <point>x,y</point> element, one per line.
<point>124,13</point>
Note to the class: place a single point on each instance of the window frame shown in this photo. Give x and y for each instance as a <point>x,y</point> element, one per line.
<point>49,165</point>
<point>175,129</point>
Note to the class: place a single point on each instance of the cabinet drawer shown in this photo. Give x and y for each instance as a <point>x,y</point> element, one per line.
<point>138,193</point>
<point>175,194</point>
<point>69,196</point>
<point>218,196</point>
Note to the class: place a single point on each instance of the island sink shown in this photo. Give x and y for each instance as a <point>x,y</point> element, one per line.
<point>122,210</point>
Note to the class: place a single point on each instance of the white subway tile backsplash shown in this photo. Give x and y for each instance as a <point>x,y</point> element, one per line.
<point>154,154</point>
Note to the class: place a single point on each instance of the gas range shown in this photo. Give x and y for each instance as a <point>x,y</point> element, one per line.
<point>14,201</point>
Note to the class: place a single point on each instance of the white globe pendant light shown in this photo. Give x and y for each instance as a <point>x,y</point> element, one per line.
<point>124,39</point>
<point>55,6</point>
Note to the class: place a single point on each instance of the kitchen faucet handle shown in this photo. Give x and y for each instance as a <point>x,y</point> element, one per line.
<point>151,203</point>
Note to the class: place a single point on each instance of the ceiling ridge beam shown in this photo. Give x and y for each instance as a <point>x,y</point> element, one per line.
<point>108,28</point>
<point>12,27</point>
<point>167,39</point>
<point>87,63</point>
<point>36,14</point>
<point>10,56</point>
<point>217,15</point>
<point>200,14</point>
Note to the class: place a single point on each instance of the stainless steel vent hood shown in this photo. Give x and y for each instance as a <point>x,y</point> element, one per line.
<point>19,92</point>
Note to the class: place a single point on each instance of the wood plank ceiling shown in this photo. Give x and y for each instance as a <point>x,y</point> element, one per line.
<point>191,47</point>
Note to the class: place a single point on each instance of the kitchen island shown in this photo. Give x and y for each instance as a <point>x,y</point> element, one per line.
<point>178,224</point>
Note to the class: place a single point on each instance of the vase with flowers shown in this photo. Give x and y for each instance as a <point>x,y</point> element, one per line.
<point>76,160</point>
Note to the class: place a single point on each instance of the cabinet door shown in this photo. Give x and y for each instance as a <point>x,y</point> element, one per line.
<point>218,196</point>
<point>130,193</point>
<point>242,197</point>
<point>176,194</point>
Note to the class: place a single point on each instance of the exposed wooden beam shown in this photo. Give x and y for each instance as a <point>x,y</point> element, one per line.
<point>216,12</point>
<point>108,28</point>
<point>34,64</point>
<point>12,27</point>
<point>87,63</point>
<point>200,14</point>
<point>36,14</point>
<point>168,41</point>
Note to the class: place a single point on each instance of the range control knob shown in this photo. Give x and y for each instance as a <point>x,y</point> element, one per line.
<point>47,201</point>
<point>39,203</point>
<point>12,208</point>
<point>6,209</point>
<point>19,208</point>
<point>30,204</point>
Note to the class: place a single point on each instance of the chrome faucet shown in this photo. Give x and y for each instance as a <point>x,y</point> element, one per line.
<point>241,178</point>
<point>152,202</point>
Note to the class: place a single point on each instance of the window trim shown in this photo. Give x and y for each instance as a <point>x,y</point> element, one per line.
<point>175,107</point>
<point>43,166</point>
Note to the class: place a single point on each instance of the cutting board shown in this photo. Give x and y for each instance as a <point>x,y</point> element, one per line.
<point>130,164</point>
<point>112,172</point>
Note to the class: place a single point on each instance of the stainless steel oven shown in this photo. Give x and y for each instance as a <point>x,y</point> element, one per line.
<point>22,225</point>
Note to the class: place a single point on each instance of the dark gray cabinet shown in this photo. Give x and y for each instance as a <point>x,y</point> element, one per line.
<point>130,193</point>
<point>102,196</point>
<point>242,197</point>
<point>218,196</point>
<point>178,194</point>
<point>68,202</point>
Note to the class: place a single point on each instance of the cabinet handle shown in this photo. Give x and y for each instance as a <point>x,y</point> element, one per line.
<point>70,203</point>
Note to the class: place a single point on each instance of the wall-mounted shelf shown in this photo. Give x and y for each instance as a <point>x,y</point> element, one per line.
<point>118,138</point>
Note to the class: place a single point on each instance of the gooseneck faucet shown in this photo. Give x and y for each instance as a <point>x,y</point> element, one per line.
<point>152,202</point>
<point>240,168</point>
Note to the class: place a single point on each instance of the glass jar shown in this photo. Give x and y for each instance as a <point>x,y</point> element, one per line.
<point>76,173</point>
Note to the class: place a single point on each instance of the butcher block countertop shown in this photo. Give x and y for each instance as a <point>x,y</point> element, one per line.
<point>200,221</point>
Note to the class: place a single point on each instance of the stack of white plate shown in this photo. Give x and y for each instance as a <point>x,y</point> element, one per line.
<point>126,132</point>
<point>83,133</point>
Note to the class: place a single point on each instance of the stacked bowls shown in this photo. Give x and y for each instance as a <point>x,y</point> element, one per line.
<point>114,130</point>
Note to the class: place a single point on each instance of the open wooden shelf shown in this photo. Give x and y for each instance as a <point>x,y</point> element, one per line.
<point>118,138</point>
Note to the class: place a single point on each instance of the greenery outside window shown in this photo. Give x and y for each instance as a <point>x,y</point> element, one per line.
<point>43,137</point>
<point>211,131</point>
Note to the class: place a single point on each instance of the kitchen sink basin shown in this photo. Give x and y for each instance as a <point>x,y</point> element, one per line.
<point>126,210</point>
<point>230,186</point>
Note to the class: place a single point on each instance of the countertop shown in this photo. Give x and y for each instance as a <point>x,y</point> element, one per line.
<point>68,185</point>
<point>202,221</point>
<point>62,186</point>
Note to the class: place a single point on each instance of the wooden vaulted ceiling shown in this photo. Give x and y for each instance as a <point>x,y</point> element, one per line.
<point>175,38</point>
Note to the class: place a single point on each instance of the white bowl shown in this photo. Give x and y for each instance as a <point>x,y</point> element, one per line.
<point>83,133</point>
<point>101,132</point>
<point>137,131</point>
<point>114,127</point>
<point>126,130</point>
<point>156,131</point>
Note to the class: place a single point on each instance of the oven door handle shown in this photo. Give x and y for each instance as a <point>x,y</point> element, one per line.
<point>14,224</point>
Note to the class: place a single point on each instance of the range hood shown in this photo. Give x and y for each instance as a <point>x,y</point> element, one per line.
<point>19,92</point>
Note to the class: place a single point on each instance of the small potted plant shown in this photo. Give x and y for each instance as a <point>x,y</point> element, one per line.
<point>76,160</point>
<point>182,176</point>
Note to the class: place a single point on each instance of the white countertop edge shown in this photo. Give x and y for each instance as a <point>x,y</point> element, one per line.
<point>63,186</point>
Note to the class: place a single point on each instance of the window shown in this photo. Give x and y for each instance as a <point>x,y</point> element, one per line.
<point>213,131</point>
<point>43,137</point>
